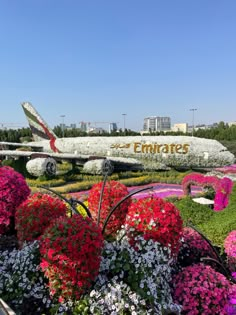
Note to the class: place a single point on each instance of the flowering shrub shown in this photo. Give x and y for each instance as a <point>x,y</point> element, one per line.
<point>14,190</point>
<point>113,193</point>
<point>193,247</point>
<point>155,219</point>
<point>230,249</point>
<point>22,284</point>
<point>201,290</point>
<point>230,307</point>
<point>222,187</point>
<point>35,214</point>
<point>133,281</point>
<point>4,217</point>
<point>71,249</point>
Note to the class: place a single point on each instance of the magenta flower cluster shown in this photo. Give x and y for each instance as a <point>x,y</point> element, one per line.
<point>201,290</point>
<point>14,190</point>
<point>196,245</point>
<point>222,187</point>
<point>230,249</point>
<point>230,307</point>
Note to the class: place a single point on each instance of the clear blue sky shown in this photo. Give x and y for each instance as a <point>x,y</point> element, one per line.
<point>96,60</point>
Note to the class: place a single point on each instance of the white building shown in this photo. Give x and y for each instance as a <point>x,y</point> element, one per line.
<point>156,123</point>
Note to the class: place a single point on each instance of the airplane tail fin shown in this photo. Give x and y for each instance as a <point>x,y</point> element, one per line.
<point>38,126</point>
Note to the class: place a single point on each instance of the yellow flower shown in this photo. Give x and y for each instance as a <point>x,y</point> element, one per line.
<point>79,208</point>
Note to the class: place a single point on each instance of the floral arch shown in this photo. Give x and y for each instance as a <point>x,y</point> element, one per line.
<point>222,187</point>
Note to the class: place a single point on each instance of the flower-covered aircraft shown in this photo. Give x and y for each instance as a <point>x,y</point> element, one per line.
<point>123,152</point>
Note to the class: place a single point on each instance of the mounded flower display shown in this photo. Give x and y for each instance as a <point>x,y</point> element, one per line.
<point>112,194</point>
<point>201,290</point>
<point>193,247</point>
<point>71,250</point>
<point>155,219</point>
<point>35,214</point>
<point>14,190</point>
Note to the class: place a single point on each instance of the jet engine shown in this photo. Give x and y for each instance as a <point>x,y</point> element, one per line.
<point>41,165</point>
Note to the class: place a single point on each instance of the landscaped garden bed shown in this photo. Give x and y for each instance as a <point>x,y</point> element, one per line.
<point>117,253</point>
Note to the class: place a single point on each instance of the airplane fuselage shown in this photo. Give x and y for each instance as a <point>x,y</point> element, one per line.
<point>149,150</point>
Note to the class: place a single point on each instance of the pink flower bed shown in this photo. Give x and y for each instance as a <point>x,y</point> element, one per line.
<point>160,190</point>
<point>201,290</point>
<point>229,169</point>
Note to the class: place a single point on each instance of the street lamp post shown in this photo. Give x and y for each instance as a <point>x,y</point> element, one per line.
<point>124,120</point>
<point>193,110</point>
<point>62,126</point>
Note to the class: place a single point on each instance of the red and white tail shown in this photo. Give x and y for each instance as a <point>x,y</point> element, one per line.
<point>38,126</point>
<point>40,129</point>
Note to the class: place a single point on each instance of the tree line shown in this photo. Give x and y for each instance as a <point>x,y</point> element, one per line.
<point>222,132</point>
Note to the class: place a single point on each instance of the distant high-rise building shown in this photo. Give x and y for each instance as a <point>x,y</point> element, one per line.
<point>112,127</point>
<point>83,126</point>
<point>156,123</point>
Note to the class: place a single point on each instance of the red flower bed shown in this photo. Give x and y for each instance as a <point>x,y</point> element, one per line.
<point>112,194</point>
<point>155,219</point>
<point>71,250</point>
<point>35,215</point>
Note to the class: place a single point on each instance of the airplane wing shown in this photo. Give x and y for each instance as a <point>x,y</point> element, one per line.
<point>7,145</point>
<point>34,154</point>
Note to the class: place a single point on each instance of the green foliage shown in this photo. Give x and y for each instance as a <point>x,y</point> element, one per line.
<point>14,135</point>
<point>81,307</point>
<point>47,183</point>
<point>136,181</point>
<point>221,223</point>
<point>19,165</point>
<point>74,187</point>
<point>215,225</point>
<point>193,212</point>
<point>78,182</point>
<point>209,193</point>
<point>219,226</point>
<point>230,145</point>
